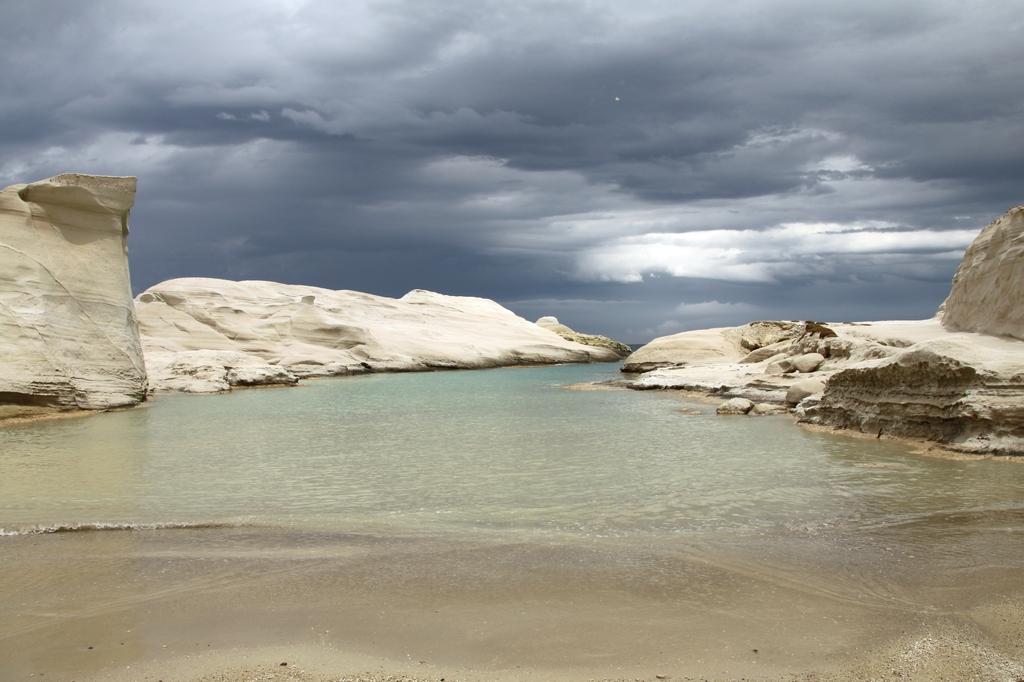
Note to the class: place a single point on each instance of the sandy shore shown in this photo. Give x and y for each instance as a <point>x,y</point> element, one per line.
<point>940,653</point>
<point>224,604</point>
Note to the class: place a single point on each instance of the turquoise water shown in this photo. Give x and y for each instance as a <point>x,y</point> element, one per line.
<point>507,451</point>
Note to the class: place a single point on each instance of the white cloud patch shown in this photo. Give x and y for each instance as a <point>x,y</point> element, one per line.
<point>312,119</point>
<point>757,255</point>
<point>842,163</point>
<point>706,308</point>
<point>109,154</point>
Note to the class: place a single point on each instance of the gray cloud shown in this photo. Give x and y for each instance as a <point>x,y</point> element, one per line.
<point>551,155</point>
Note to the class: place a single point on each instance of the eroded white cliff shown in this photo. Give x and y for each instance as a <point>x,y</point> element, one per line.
<point>67,323</point>
<point>204,335</point>
<point>988,289</point>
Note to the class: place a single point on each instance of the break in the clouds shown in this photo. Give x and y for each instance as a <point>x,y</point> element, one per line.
<point>634,168</point>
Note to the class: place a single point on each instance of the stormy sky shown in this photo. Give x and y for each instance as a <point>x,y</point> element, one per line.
<point>635,168</point>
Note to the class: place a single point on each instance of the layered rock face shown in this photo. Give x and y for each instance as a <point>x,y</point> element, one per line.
<point>205,335</point>
<point>904,379</point>
<point>988,289</point>
<point>958,382</point>
<point>551,323</point>
<point>939,390</point>
<point>67,323</point>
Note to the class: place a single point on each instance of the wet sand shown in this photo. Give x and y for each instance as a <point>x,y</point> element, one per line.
<point>233,604</point>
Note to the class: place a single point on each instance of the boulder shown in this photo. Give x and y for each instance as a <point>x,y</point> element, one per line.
<point>705,346</point>
<point>808,362</point>
<point>67,324</point>
<point>768,409</point>
<point>735,406</point>
<point>803,389</point>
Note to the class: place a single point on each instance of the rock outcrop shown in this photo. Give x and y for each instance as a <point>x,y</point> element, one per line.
<point>941,390</point>
<point>552,324</point>
<point>203,335</point>
<point>704,346</point>
<point>956,380</point>
<point>988,289</point>
<point>67,323</point>
<point>915,380</point>
<point>699,347</point>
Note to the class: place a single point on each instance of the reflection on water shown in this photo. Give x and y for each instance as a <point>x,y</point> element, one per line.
<point>504,451</point>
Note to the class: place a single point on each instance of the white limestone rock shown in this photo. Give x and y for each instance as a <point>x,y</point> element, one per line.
<point>774,350</point>
<point>248,330</point>
<point>735,406</point>
<point>804,389</point>
<point>956,380</point>
<point>768,409</point>
<point>551,323</point>
<point>762,333</point>
<point>778,366</point>
<point>700,347</point>
<point>885,378</point>
<point>67,323</point>
<point>959,391</point>
<point>987,295</point>
<point>212,371</point>
<point>747,343</point>
<point>808,362</point>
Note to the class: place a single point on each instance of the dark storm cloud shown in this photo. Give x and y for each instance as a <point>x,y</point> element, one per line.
<point>634,167</point>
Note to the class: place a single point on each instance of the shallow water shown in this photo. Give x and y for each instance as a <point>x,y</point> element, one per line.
<point>414,512</point>
<point>502,450</point>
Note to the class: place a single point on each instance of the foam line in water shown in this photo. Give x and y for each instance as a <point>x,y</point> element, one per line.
<point>125,526</point>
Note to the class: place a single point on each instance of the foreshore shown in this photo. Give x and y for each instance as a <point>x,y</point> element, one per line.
<point>223,604</point>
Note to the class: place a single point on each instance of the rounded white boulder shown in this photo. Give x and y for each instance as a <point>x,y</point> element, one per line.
<point>808,362</point>
<point>735,406</point>
<point>803,389</point>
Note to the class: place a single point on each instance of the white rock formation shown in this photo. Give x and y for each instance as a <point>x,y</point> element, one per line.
<point>205,335</point>
<point>568,333</point>
<point>699,347</point>
<point>67,324</point>
<point>767,410</point>
<point>905,379</point>
<point>808,362</point>
<point>804,388</point>
<point>735,406</point>
<point>988,288</point>
<point>927,380</point>
<point>960,389</point>
<point>702,346</point>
